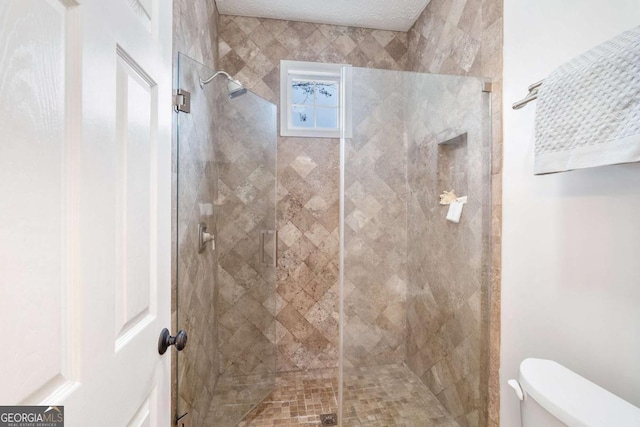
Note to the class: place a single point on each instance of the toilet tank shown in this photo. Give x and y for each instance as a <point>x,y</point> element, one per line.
<point>554,396</point>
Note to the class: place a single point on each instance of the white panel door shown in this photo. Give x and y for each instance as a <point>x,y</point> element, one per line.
<point>85,200</point>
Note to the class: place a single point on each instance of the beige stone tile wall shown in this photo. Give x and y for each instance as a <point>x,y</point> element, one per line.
<point>464,37</point>
<point>245,206</point>
<point>375,222</point>
<point>251,49</point>
<point>459,37</point>
<point>308,175</point>
<point>447,265</point>
<point>307,285</point>
<point>195,31</point>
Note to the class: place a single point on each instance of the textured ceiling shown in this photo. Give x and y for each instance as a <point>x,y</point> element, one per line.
<point>398,15</point>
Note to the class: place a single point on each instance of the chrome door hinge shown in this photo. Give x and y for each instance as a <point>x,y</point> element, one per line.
<point>184,421</point>
<point>182,101</point>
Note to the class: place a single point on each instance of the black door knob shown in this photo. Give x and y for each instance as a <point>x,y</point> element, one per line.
<point>166,340</point>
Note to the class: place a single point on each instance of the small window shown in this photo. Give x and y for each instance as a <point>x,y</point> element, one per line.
<point>310,99</point>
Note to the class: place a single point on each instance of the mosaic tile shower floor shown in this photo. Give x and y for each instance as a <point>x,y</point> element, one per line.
<point>378,396</point>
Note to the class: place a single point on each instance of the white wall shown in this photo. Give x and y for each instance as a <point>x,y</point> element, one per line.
<point>571,241</point>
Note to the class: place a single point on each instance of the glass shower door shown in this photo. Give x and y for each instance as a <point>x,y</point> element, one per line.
<point>414,285</point>
<point>226,186</point>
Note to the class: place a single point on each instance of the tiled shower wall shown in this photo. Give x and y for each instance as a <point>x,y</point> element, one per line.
<point>245,153</point>
<point>448,142</point>
<point>464,37</point>
<point>194,33</point>
<point>251,49</point>
<point>375,223</point>
<point>308,175</point>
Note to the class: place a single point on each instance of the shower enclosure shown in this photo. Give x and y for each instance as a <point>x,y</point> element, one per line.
<point>410,302</point>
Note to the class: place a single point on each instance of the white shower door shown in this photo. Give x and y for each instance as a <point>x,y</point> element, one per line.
<point>85,190</point>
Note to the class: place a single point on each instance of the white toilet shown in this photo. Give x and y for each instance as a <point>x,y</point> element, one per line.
<point>552,395</point>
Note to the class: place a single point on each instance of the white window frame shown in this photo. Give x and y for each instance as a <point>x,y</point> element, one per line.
<point>294,70</point>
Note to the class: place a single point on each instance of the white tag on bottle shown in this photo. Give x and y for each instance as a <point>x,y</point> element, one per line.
<point>455,209</point>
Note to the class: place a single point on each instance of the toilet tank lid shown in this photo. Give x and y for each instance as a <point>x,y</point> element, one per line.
<point>572,399</point>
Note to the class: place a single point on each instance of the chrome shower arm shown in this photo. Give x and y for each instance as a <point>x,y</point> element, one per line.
<point>207,81</point>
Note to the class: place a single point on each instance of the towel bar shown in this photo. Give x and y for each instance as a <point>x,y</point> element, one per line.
<point>533,94</point>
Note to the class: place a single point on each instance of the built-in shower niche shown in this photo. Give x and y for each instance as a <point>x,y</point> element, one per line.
<point>226,179</point>
<point>456,141</point>
<point>452,163</point>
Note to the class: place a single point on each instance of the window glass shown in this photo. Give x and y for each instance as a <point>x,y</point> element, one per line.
<point>302,117</point>
<point>302,92</point>
<point>310,96</point>
<point>327,118</point>
<point>327,93</point>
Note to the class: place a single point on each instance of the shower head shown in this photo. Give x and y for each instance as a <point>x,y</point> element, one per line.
<point>234,87</point>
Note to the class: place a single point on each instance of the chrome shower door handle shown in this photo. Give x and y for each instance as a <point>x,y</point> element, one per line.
<point>263,234</point>
<point>204,238</point>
